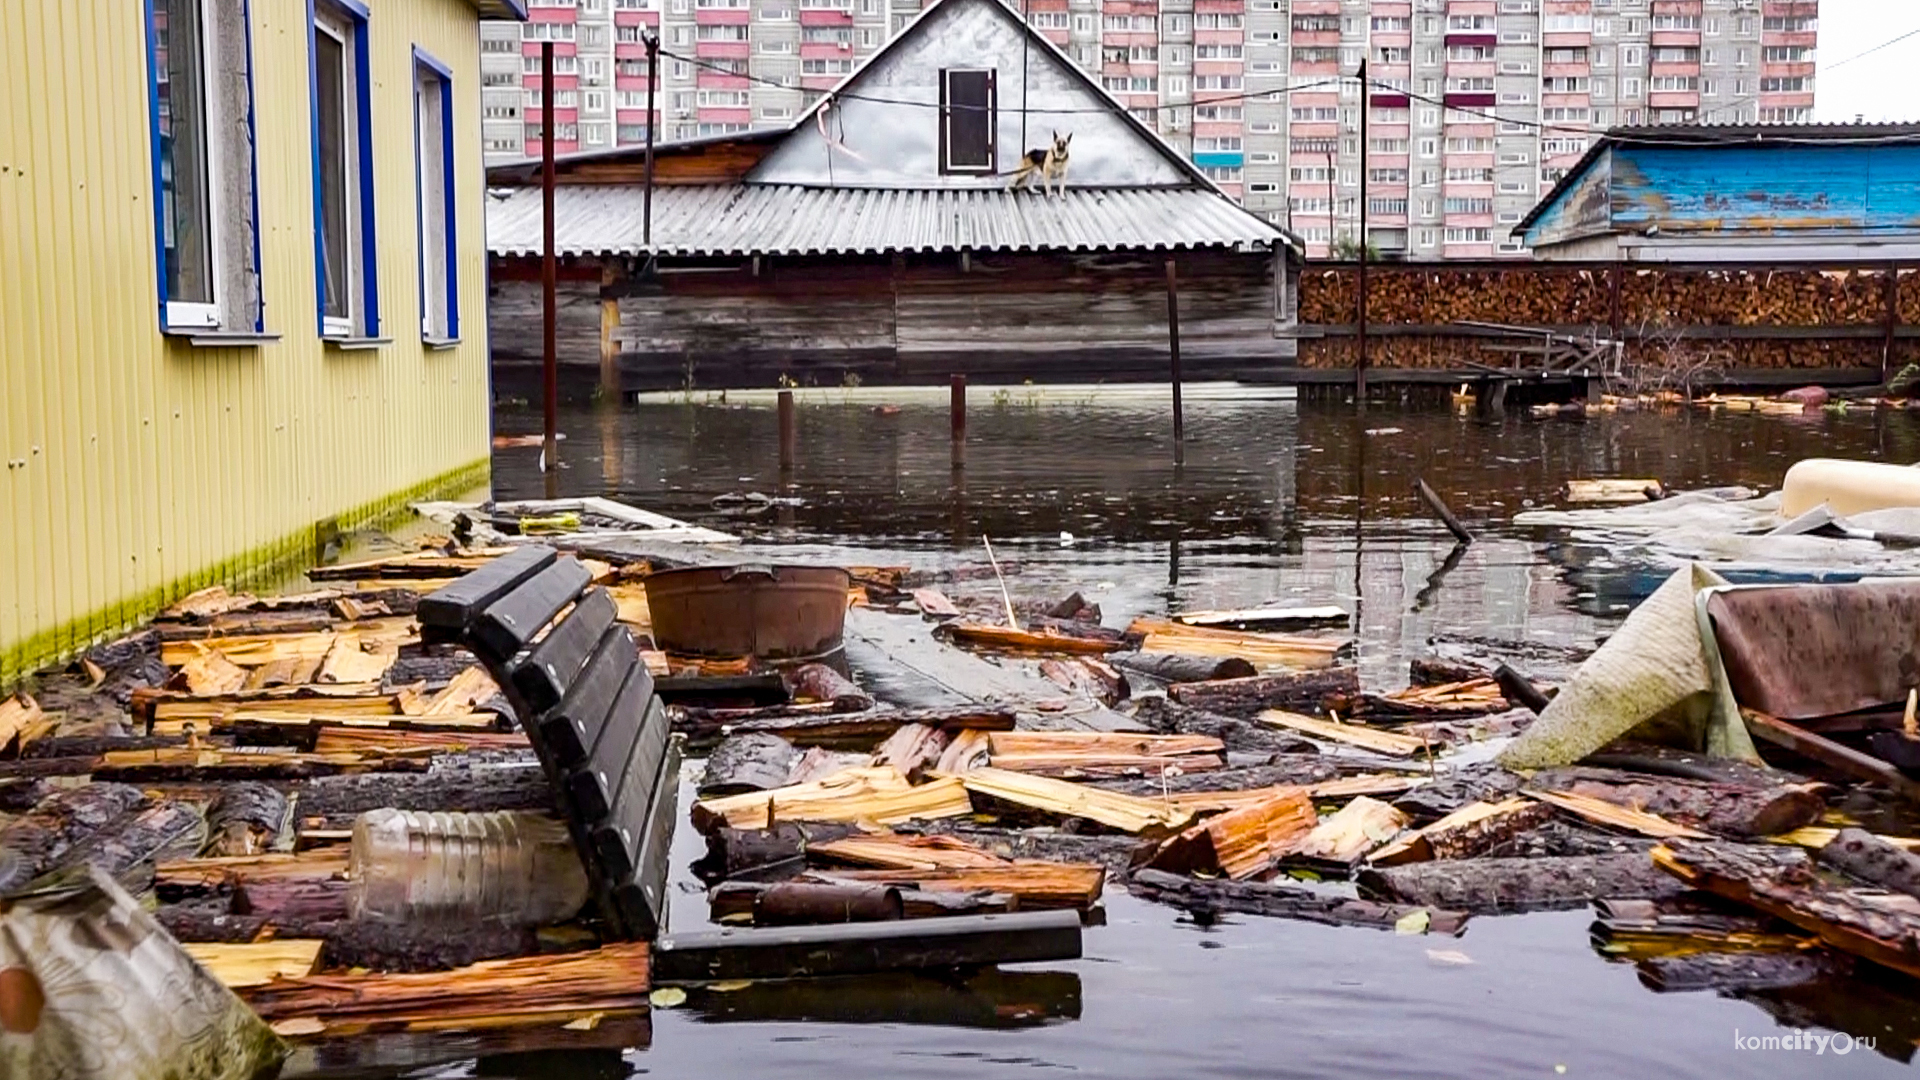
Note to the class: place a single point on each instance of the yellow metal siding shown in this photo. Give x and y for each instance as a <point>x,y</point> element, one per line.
<point>139,467</point>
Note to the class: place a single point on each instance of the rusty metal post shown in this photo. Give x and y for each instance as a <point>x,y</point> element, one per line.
<point>549,270</point>
<point>653,79</point>
<point>788,439</point>
<point>1173,346</point>
<point>610,278</point>
<point>957,415</point>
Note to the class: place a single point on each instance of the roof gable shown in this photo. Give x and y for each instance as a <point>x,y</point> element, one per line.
<point>880,127</point>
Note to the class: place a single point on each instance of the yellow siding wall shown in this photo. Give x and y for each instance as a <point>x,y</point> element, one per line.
<point>139,467</point>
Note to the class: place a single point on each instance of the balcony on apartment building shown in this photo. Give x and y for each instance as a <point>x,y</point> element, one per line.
<point>532,48</point>
<point>625,17</point>
<point>723,16</point>
<point>532,81</point>
<point>709,79</point>
<point>1316,7</point>
<point>553,15</point>
<point>708,114</point>
<point>826,17</point>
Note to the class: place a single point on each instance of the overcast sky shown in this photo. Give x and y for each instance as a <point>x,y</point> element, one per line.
<point>1884,86</point>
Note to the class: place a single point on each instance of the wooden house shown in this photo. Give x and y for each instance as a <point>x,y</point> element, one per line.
<point>241,286</point>
<point>1801,193</point>
<point>877,238</point>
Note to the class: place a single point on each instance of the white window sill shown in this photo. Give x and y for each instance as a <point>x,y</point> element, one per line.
<point>210,338</point>
<point>440,344</point>
<point>356,344</point>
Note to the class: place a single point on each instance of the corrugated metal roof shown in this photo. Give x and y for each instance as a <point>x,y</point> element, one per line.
<point>754,219</point>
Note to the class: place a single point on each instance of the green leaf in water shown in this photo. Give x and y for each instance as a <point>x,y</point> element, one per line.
<point>667,997</point>
<point>1413,922</point>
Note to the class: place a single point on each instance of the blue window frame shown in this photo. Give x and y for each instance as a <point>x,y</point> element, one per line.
<point>205,175</point>
<point>347,287</point>
<point>434,198</point>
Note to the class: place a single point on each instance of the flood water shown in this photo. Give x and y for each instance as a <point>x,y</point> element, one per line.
<point>1277,500</point>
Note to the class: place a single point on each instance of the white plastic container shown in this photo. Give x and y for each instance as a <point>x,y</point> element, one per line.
<point>415,866</point>
<point>1847,487</point>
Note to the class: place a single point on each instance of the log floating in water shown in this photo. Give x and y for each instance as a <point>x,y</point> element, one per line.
<point>1349,834</point>
<point>818,682</point>
<point>1466,832</point>
<point>1741,972</point>
<point>1883,927</point>
<point>1177,668</point>
<point>1623,818</point>
<point>1872,859</point>
<point>1492,886</point>
<point>753,762</point>
<point>1101,753</point>
<point>1311,690</point>
<point>1613,491</point>
<point>255,964</point>
<point>1033,885</point>
<point>1437,671</point>
<point>1831,754</point>
<point>865,948</point>
<point>1206,897</point>
<point>33,842</point>
<point>451,784</point>
<point>1734,810</point>
<point>1087,676</point>
<point>805,903</point>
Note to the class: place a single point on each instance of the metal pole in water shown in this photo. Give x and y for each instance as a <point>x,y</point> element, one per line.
<point>646,199</point>
<point>549,272</point>
<point>1173,346</point>
<point>1360,368</point>
<point>788,439</point>
<point>957,411</point>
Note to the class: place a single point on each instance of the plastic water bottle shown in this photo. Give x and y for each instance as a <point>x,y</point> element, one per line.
<point>415,866</point>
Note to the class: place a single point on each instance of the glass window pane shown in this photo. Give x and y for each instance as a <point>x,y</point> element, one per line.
<point>330,59</point>
<point>970,120</point>
<point>179,36</point>
<point>430,97</point>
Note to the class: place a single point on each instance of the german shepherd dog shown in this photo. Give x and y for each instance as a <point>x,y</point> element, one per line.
<point>1050,165</point>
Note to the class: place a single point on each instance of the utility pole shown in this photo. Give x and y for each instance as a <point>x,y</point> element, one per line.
<point>549,271</point>
<point>1333,201</point>
<point>1360,364</point>
<point>653,79</point>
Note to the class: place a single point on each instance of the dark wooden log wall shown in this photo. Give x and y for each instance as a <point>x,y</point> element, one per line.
<point>1006,317</point>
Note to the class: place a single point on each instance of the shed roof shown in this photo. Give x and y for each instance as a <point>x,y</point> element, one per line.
<point>783,219</point>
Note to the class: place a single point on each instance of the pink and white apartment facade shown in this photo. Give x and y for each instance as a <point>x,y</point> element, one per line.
<point>1476,106</point>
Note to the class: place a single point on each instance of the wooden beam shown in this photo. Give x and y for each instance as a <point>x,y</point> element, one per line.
<point>1831,754</point>
<point>866,948</point>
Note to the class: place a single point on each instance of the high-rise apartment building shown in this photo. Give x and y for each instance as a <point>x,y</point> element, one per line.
<point>1476,106</point>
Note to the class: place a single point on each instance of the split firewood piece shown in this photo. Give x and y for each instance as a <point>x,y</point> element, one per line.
<point>890,851</point>
<point>259,963</point>
<point>251,650</point>
<point>1880,925</point>
<point>351,661</point>
<point>1466,832</point>
<point>1098,753</point>
<point>1126,813</point>
<point>493,993</point>
<point>1242,842</point>
<point>1299,653</point>
<point>1318,689</point>
<point>1619,817</point>
<point>1367,738</point>
<point>879,795</point>
<point>819,763</point>
<point>1358,827</point>
<point>818,682</point>
<point>1870,858</point>
<point>935,603</point>
<point>1613,491</point>
<point>208,671</point>
<point>469,688</point>
<point>966,752</point>
<point>912,747</point>
<point>205,604</point>
<point>348,738</point>
<point>1728,809</point>
<point>17,714</point>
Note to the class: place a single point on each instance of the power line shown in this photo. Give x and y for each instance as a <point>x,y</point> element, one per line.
<point>1875,49</point>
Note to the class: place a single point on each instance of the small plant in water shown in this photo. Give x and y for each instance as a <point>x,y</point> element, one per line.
<point>1002,398</point>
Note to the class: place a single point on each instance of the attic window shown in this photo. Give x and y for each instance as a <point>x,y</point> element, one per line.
<point>968,107</point>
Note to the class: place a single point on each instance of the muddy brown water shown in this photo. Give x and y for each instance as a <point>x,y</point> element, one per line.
<point>1278,500</point>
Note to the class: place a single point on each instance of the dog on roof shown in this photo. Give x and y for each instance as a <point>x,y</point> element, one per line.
<point>1049,164</point>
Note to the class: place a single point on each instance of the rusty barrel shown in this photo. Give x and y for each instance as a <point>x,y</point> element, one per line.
<point>778,613</point>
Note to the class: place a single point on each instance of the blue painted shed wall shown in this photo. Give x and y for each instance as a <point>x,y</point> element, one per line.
<point>1799,189</point>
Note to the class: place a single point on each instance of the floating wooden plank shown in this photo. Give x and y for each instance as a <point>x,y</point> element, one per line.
<point>1325,688</point>
<point>912,747</point>
<point>1869,858</point>
<point>493,993</point>
<point>1472,697</point>
<point>935,603</point>
<point>1619,817</point>
<point>1126,813</point>
<point>1877,924</point>
<point>1465,833</point>
<point>866,948</point>
<point>347,739</point>
<point>1831,754</point>
<point>253,650</point>
<point>1099,753</point>
<point>888,851</point>
<point>1367,738</point>
<point>259,963</point>
<point>1286,902</point>
<point>1045,640</point>
<point>352,661</point>
<point>206,603</point>
<point>1351,832</point>
<point>1242,842</point>
<point>1037,884</point>
<point>1161,636</point>
<point>187,765</point>
<point>1275,617</point>
<point>1616,491</point>
<point>880,795</point>
<point>469,688</point>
